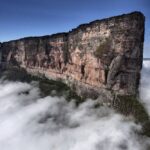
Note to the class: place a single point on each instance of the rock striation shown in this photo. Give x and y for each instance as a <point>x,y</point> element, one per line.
<point>102,57</point>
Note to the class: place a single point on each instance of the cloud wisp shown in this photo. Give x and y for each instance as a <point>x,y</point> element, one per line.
<point>145,85</point>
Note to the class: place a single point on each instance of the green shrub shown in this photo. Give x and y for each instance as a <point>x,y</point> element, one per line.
<point>103,49</point>
<point>129,105</point>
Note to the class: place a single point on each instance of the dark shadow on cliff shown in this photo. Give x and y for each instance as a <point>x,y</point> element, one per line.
<point>47,87</point>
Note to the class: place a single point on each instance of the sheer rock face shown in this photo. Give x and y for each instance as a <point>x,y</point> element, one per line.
<point>102,57</point>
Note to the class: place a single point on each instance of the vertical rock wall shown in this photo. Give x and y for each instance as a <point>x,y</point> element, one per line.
<point>96,58</point>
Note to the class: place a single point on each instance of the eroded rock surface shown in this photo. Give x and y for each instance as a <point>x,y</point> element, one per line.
<point>102,57</point>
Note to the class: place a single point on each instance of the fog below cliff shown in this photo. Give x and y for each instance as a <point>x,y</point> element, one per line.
<point>28,122</point>
<point>145,85</point>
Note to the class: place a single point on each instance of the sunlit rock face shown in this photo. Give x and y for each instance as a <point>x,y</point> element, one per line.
<point>103,56</point>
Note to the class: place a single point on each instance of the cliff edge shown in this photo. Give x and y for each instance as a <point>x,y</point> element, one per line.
<point>103,57</point>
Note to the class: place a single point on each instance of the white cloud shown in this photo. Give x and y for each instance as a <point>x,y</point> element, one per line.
<point>145,85</point>
<point>28,122</point>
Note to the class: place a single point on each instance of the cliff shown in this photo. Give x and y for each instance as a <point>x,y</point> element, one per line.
<point>103,57</point>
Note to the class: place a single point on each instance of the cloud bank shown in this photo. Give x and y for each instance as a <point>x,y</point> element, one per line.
<point>28,122</point>
<point>145,85</point>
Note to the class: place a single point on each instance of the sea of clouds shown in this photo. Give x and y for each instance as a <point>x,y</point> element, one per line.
<point>28,122</point>
<point>145,85</point>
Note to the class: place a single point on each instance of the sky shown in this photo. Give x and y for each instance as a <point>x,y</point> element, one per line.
<point>21,18</point>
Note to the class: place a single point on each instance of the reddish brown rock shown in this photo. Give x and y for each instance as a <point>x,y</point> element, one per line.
<point>102,57</point>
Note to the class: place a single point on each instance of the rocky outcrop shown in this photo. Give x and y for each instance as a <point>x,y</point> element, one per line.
<point>102,57</point>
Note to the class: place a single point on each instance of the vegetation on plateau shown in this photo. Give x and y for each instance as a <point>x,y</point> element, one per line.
<point>131,106</point>
<point>103,49</point>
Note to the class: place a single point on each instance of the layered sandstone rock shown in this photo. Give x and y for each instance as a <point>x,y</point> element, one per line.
<point>102,57</point>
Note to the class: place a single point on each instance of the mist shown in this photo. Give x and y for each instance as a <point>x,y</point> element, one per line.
<point>29,122</point>
<point>145,85</point>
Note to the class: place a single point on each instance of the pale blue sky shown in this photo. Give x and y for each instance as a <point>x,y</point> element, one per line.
<point>21,18</point>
